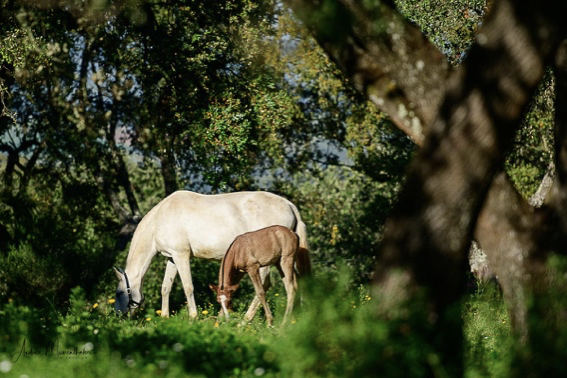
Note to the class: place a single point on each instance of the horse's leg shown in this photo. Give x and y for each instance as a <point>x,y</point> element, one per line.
<point>254,274</point>
<point>286,269</point>
<point>170,273</point>
<point>267,283</point>
<point>184,268</point>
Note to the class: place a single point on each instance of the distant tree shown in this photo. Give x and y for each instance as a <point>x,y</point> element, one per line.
<point>107,109</point>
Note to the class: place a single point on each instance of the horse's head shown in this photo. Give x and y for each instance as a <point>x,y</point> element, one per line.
<point>125,304</point>
<point>224,296</point>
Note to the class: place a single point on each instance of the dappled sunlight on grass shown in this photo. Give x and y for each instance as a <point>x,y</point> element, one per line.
<point>488,335</point>
<point>335,332</point>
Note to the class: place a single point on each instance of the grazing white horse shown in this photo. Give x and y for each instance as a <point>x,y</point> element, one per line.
<point>187,224</point>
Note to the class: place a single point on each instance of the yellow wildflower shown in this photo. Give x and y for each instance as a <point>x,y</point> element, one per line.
<point>158,312</point>
<point>148,319</point>
<point>205,312</point>
<point>334,234</point>
<point>111,301</point>
<point>95,305</point>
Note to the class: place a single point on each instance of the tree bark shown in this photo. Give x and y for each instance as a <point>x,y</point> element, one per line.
<point>370,59</point>
<point>505,229</point>
<point>427,237</point>
<point>394,65</point>
<point>559,190</point>
<point>168,172</point>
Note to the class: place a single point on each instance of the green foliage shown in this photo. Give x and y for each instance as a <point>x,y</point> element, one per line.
<point>545,352</point>
<point>147,182</point>
<point>487,333</point>
<point>91,338</point>
<point>450,25</point>
<point>225,140</point>
<point>36,327</point>
<point>18,50</point>
<point>57,241</point>
<point>335,333</point>
<point>532,152</point>
<point>341,335</point>
<point>379,150</point>
<point>345,211</point>
<point>200,348</point>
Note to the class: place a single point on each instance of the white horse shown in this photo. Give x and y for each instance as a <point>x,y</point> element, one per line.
<point>187,224</point>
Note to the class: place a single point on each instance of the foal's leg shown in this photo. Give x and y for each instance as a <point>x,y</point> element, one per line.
<point>285,267</point>
<point>182,261</point>
<point>260,293</point>
<point>170,273</point>
<point>267,283</point>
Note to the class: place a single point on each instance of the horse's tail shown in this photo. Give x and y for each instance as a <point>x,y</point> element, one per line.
<point>302,260</point>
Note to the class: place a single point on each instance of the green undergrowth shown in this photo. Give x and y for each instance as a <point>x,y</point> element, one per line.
<point>487,334</point>
<point>91,339</point>
<point>335,333</point>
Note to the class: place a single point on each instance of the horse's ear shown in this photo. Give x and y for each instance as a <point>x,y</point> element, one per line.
<point>233,287</point>
<point>214,288</point>
<point>119,273</point>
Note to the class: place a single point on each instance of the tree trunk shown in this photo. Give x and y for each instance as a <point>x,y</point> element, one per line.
<point>168,172</point>
<point>370,59</point>
<point>559,192</point>
<point>428,234</point>
<point>396,67</point>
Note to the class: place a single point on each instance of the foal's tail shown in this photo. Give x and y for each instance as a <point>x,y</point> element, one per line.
<point>303,262</point>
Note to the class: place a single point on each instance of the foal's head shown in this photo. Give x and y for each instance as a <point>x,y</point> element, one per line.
<point>224,296</point>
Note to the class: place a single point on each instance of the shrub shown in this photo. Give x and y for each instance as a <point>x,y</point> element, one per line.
<point>341,335</point>
<point>336,332</point>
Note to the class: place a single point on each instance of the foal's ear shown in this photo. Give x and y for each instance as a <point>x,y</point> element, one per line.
<point>214,288</point>
<point>233,287</point>
<point>118,273</point>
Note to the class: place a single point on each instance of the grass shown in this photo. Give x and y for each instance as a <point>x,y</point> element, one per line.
<point>336,335</point>
<point>487,334</point>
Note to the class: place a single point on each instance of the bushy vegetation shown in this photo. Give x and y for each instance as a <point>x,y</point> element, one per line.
<point>58,238</point>
<point>335,333</point>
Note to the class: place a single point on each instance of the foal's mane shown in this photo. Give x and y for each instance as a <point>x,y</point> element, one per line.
<point>223,261</point>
